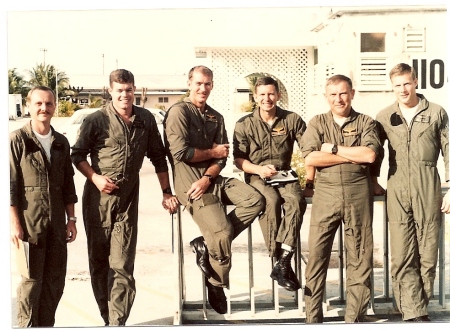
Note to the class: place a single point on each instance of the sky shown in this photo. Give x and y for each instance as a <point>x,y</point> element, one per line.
<point>159,40</point>
<point>87,39</point>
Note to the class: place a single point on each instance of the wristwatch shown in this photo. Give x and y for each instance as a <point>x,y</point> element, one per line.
<point>210,177</point>
<point>310,185</point>
<point>72,218</point>
<point>334,150</point>
<point>167,190</point>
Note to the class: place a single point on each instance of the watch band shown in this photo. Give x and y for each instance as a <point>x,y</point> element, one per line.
<point>72,218</point>
<point>167,190</point>
<point>334,149</point>
<point>210,177</point>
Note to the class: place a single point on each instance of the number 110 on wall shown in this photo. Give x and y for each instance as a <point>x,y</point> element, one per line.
<point>432,73</point>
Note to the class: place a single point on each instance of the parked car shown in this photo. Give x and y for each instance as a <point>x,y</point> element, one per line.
<point>72,127</point>
<point>159,117</point>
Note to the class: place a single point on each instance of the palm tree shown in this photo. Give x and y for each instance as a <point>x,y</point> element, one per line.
<point>95,102</point>
<point>17,84</point>
<point>48,75</point>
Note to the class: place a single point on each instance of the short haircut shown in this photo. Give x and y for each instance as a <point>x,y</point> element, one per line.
<point>339,78</point>
<point>204,70</point>
<point>121,76</point>
<point>401,69</point>
<point>40,88</point>
<point>267,81</point>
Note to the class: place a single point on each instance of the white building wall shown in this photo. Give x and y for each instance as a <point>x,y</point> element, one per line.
<point>339,44</point>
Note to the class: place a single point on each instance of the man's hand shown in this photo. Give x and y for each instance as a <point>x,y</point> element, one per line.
<point>220,151</point>
<point>308,192</point>
<point>170,202</point>
<point>445,208</point>
<point>378,189</point>
<point>267,171</point>
<point>16,233</point>
<point>198,188</point>
<point>71,231</point>
<point>16,229</point>
<point>104,183</point>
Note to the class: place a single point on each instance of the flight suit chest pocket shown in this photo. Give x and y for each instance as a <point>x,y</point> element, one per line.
<point>351,136</point>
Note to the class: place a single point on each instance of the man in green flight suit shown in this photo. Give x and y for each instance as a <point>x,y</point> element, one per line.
<point>263,143</point>
<point>42,194</point>
<point>117,138</point>
<point>417,132</point>
<point>198,147</point>
<point>341,144</point>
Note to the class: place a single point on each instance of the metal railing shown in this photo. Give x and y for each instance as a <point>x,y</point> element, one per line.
<point>297,303</point>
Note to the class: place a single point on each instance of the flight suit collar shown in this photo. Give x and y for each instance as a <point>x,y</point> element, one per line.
<point>351,117</point>
<point>278,114</point>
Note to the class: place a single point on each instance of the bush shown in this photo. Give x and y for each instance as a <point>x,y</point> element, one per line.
<point>66,108</point>
<point>298,165</point>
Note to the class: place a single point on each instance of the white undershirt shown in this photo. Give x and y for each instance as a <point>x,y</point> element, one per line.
<point>46,142</point>
<point>408,113</point>
<point>340,121</point>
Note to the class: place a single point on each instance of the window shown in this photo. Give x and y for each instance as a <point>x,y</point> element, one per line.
<point>163,99</point>
<point>414,39</point>
<point>373,42</point>
<point>373,65</point>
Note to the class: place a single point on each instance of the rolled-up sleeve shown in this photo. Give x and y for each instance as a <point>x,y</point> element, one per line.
<point>177,132</point>
<point>311,140</point>
<point>81,148</point>
<point>241,146</point>
<point>370,137</point>
<point>156,151</point>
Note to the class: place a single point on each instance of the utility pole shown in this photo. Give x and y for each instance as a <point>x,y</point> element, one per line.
<point>43,50</point>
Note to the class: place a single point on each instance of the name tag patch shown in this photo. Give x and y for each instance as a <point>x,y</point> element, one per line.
<point>348,132</point>
<point>278,131</point>
<point>422,119</point>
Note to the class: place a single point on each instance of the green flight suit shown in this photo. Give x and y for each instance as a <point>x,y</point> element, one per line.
<point>41,190</point>
<point>111,220</point>
<point>186,129</point>
<point>342,194</point>
<point>414,199</point>
<point>261,144</point>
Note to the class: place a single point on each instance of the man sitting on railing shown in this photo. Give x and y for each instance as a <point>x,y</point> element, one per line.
<point>197,144</point>
<point>263,143</point>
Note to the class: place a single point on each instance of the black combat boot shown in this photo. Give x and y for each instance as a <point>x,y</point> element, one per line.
<point>202,257</point>
<point>216,298</point>
<point>282,272</point>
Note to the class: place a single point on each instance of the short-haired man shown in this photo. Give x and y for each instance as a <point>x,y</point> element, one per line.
<point>198,149</point>
<point>417,132</point>
<point>42,194</point>
<point>341,144</point>
<point>117,138</point>
<point>263,143</point>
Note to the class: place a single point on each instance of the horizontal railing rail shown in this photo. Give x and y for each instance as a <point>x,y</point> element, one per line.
<point>181,305</point>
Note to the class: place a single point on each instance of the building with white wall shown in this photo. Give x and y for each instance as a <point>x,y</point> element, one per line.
<point>363,43</point>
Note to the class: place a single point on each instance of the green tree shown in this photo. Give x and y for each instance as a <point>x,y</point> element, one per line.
<point>95,102</point>
<point>48,75</point>
<point>17,84</point>
<point>66,108</point>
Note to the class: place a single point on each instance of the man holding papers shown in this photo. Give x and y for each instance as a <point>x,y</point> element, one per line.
<point>263,144</point>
